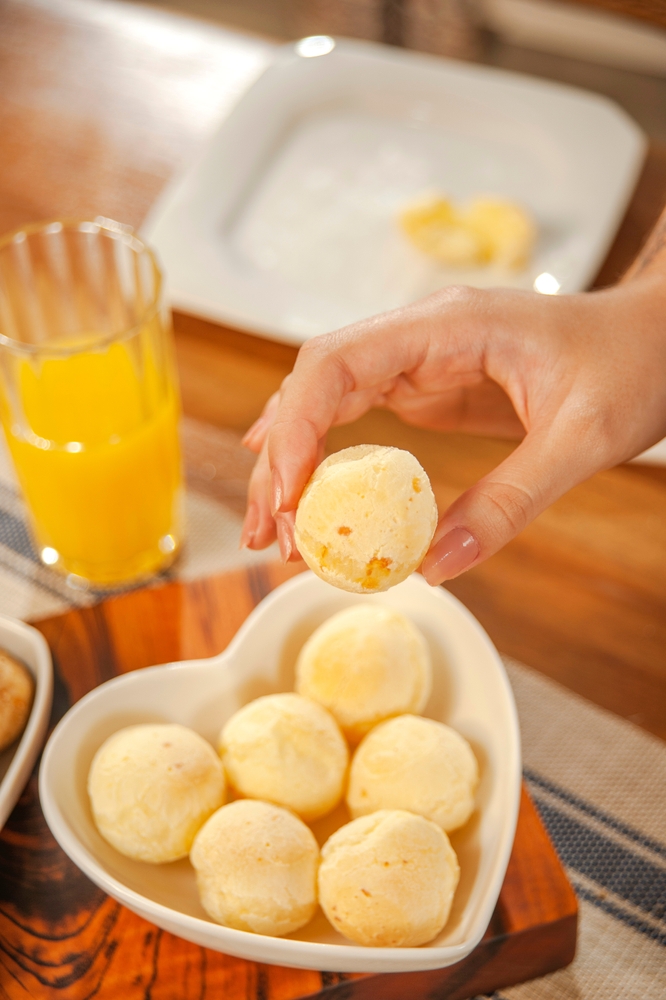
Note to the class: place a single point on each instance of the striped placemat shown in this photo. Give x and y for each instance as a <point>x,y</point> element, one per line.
<point>598,781</point>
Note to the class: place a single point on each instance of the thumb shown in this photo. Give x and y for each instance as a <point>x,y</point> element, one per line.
<point>500,505</point>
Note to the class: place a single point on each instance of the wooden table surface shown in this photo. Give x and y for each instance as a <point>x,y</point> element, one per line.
<point>101,101</point>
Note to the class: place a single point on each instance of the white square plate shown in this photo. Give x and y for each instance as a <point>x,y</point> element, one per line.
<point>286,226</point>
<point>470,692</point>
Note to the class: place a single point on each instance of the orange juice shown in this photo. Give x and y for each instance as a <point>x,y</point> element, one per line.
<point>96,451</point>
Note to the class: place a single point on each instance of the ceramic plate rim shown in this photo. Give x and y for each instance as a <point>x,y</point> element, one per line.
<point>37,658</point>
<point>238,311</point>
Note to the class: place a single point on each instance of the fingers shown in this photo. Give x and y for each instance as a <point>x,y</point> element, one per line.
<point>256,435</point>
<point>571,372</point>
<point>258,527</point>
<point>285,535</point>
<point>285,526</point>
<point>499,506</point>
<point>337,378</point>
<point>483,408</point>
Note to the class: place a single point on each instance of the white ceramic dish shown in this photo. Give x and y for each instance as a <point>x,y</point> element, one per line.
<point>471,692</point>
<point>286,225</point>
<point>16,762</point>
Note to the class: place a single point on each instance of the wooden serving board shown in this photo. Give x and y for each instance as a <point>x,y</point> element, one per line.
<point>61,936</point>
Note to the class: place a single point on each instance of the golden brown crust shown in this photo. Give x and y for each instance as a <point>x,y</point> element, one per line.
<point>16,692</point>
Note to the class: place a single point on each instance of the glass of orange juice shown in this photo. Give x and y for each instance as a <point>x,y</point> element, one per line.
<point>89,398</point>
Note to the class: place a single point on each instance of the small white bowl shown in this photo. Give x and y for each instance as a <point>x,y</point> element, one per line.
<point>30,647</point>
<point>470,692</point>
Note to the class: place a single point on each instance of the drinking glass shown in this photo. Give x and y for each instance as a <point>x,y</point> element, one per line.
<point>89,398</point>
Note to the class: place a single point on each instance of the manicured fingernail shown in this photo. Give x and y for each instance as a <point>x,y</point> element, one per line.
<point>453,554</point>
<point>276,492</point>
<point>249,526</point>
<point>284,540</point>
<point>253,431</point>
<point>247,439</point>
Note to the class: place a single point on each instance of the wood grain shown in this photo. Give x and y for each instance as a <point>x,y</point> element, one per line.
<point>61,936</point>
<point>101,102</point>
<point>653,11</point>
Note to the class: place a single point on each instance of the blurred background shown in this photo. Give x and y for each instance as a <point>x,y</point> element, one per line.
<point>613,47</point>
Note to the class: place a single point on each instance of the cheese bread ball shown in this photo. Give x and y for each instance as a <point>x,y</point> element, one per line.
<point>388,879</point>
<point>487,230</point>
<point>256,868</point>
<point>151,788</point>
<point>16,690</point>
<point>434,225</point>
<point>366,518</point>
<point>506,230</point>
<point>415,764</point>
<point>288,750</point>
<point>365,664</point>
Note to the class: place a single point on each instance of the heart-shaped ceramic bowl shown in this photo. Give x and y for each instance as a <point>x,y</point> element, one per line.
<point>470,692</point>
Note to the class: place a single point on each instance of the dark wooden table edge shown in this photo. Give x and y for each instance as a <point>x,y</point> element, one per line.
<point>453,982</point>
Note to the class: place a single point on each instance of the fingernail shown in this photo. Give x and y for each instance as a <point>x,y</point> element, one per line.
<point>284,540</point>
<point>276,492</point>
<point>453,554</point>
<point>248,438</point>
<point>253,431</point>
<point>249,526</point>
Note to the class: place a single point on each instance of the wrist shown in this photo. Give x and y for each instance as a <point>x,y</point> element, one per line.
<point>650,288</point>
<point>651,259</point>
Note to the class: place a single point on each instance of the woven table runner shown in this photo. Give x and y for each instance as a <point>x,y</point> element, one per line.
<point>598,781</point>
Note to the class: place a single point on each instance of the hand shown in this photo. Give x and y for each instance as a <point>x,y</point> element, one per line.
<point>580,378</point>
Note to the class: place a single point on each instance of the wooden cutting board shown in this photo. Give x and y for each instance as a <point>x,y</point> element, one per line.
<point>61,936</point>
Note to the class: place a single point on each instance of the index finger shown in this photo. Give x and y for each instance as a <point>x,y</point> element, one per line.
<point>367,355</point>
